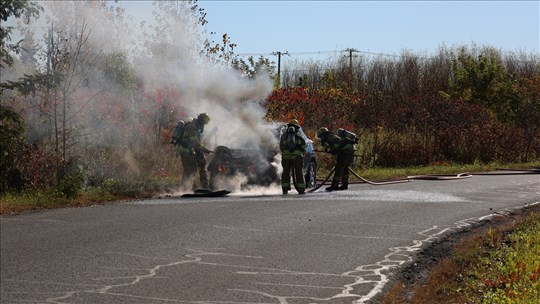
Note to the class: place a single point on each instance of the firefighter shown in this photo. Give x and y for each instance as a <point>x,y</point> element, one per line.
<point>193,151</point>
<point>343,148</point>
<point>293,148</point>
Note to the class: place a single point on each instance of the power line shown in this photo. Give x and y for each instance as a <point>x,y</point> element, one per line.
<point>254,54</point>
<point>326,52</point>
<point>295,53</point>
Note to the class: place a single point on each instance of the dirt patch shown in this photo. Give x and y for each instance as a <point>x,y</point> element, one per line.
<point>414,282</point>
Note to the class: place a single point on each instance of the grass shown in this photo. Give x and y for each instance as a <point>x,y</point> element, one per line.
<point>111,190</point>
<point>36,200</point>
<point>380,174</point>
<point>499,264</point>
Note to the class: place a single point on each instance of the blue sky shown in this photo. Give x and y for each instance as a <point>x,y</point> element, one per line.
<point>304,28</point>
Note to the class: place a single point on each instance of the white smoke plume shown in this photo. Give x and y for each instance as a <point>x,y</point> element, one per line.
<point>166,54</point>
<point>233,102</point>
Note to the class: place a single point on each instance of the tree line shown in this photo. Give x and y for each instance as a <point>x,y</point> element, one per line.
<point>462,105</point>
<point>73,115</point>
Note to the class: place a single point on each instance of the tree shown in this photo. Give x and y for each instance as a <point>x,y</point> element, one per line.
<point>252,68</point>
<point>483,80</point>
<point>73,58</point>
<point>11,132</point>
<point>28,51</point>
<point>13,8</point>
<point>528,116</point>
<point>220,51</point>
<point>61,91</point>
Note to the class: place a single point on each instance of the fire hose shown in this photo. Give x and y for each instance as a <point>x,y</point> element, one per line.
<point>396,181</point>
<point>328,177</point>
<point>421,177</point>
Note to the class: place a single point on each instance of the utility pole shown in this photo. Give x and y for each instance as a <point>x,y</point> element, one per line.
<point>350,64</point>
<point>279,66</point>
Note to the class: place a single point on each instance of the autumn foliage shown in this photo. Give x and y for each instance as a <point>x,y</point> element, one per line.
<point>488,112</point>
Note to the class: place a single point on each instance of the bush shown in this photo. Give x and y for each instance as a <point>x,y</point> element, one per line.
<point>71,184</point>
<point>12,148</point>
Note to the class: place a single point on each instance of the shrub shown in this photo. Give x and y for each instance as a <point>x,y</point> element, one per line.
<point>12,147</point>
<point>71,184</point>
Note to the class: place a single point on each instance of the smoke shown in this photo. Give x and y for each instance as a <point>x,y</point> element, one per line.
<point>233,102</point>
<point>165,55</point>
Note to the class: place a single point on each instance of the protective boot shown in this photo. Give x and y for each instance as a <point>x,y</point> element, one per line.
<point>334,187</point>
<point>343,187</point>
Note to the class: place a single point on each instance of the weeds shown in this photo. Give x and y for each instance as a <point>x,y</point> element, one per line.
<point>499,265</point>
<point>35,200</point>
<point>511,274</point>
<point>440,168</point>
<point>71,193</point>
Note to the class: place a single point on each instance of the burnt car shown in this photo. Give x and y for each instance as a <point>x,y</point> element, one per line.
<point>257,166</point>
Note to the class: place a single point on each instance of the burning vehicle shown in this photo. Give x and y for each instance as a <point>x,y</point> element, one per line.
<point>257,166</point>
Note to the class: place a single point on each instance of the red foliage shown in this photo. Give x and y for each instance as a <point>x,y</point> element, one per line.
<point>39,167</point>
<point>415,131</point>
<point>331,108</point>
<point>161,172</point>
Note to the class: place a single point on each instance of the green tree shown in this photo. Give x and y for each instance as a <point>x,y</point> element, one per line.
<point>11,146</point>
<point>252,68</point>
<point>483,80</point>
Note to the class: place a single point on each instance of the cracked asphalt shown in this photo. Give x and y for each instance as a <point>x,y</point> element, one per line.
<point>339,247</point>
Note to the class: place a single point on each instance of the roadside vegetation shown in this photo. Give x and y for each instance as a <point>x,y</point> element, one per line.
<point>498,263</point>
<point>74,193</point>
<point>77,195</point>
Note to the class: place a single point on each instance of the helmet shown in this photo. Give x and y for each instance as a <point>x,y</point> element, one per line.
<point>321,131</point>
<point>294,122</point>
<point>203,117</point>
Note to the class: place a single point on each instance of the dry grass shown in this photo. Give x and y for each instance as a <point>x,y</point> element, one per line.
<point>463,276</point>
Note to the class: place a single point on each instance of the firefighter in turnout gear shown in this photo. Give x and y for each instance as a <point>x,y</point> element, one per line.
<point>343,148</point>
<point>293,148</point>
<point>193,151</point>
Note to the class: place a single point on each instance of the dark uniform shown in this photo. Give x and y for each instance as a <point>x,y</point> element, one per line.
<point>344,150</point>
<point>193,151</point>
<point>293,149</point>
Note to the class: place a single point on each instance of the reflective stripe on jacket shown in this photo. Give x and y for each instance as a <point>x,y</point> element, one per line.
<point>300,148</point>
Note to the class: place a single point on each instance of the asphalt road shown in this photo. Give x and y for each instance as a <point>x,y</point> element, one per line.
<point>338,247</point>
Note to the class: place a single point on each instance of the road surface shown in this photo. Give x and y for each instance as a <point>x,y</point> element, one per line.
<point>338,247</point>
